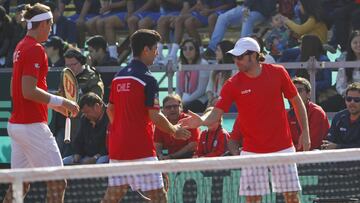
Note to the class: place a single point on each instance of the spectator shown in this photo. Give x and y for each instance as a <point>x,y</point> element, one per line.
<point>251,13</point>
<point>90,141</point>
<point>85,10</point>
<point>112,16</point>
<point>62,26</point>
<point>6,31</point>
<point>219,77</point>
<point>213,141</point>
<point>277,38</point>
<point>144,16</point>
<point>89,80</point>
<point>349,75</point>
<point>191,85</point>
<point>55,48</point>
<point>19,32</point>
<point>317,119</point>
<point>176,149</point>
<point>345,126</point>
<point>97,52</point>
<point>169,11</point>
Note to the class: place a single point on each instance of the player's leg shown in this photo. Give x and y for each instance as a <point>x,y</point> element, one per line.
<point>253,199</point>
<point>157,195</point>
<point>114,194</point>
<point>291,197</point>
<point>9,193</point>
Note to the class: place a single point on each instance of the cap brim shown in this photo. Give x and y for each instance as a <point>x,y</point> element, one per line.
<point>236,52</point>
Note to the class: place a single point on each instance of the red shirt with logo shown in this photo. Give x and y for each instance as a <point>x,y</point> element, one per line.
<point>29,59</point>
<point>261,110</point>
<point>213,143</point>
<point>133,92</point>
<point>173,145</point>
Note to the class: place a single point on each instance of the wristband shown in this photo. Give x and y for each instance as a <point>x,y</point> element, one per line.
<point>56,100</point>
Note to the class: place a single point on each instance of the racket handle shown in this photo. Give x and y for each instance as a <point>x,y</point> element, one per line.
<point>67,130</point>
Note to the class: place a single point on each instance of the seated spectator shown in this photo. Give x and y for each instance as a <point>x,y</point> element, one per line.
<point>169,11</point>
<point>219,77</point>
<point>6,31</point>
<point>177,149</point>
<point>112,17</point>
<point>203,13</point>
<point>235,139</point>
<point>251,13</point>
<point>276,40</point>
<point>313,25</point>
<point>317,119</point>
<point>62,26</point>
<point>191,85</point>
<point>97,52</point>
<point>213,141</point>
<point>346,76</point>
<point>144,17</point>
<point>55,48</point>
<point>89,80</point>
<point>85,10</point>
<point>90,142</point>
<point>345,126</point>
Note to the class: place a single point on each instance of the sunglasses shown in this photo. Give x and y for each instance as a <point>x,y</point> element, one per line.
<point>355,99</point>
<point>188,48</point>
<point>242,55</point>
<point>175,106</point>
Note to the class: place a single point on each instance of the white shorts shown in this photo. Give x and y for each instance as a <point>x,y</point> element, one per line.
<point>33,145</point>
<point>254,181</point>
<point>143,182</point>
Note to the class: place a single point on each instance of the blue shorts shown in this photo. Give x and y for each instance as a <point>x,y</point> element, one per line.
<point>204,19</point>
<point>74,17</point>
<point>170,13</point>
<point>147,14</point>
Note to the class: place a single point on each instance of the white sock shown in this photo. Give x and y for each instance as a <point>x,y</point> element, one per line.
<point>113,51</point>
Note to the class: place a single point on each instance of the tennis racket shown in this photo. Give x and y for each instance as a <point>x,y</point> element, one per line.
<point>71,92</point>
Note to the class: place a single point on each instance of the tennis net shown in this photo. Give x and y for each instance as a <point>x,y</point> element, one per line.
<point>325,176</point>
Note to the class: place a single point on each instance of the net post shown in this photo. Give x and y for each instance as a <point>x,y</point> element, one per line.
<point>17,188</point>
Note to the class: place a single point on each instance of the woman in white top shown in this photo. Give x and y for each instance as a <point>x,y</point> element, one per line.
<point>219,77</point>
<point>191,85</point>
<point>346,76</point>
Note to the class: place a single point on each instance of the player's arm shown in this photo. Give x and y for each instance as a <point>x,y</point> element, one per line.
<point>31,92</point>
<point>301,115</point>
<point>164,125</point>
<point>110,112</point>
<point>234,146</point>
<point>195,121</point>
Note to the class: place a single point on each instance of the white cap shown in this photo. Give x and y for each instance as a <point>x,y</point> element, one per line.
<point>245,44</point>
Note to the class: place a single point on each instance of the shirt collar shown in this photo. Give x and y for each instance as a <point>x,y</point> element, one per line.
<point>138,64</point>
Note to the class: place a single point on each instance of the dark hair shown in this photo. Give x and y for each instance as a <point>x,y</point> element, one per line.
<point>197,51</point>
<point>174,97</point>
<point>97,42</point>
<point>75,53</point>
<point>350,56</point>
<point>57,43</point>
<point>355,86</point>
<point>302,81</point>
<point>6,29</point>
<point>313,8</point>
<point>225,46</point>
<point>260,56</point>
<point>310,46</point>
<point>31,11</point>
<point>51,5</point>
<point>90,99</point>
<point>143,38</point>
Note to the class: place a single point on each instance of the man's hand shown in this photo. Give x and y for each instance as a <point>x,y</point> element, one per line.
<point>328,145</point>
<point>304,142</point>
<point>193,121</point>
<point>71,106</point>
<point>181,133</point>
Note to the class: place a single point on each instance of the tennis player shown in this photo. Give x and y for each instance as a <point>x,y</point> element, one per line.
<point>258,91</point>
<point>133,110</point>
<point>32,143</point>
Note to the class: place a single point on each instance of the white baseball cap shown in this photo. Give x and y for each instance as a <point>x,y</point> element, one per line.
<point>245,44</point>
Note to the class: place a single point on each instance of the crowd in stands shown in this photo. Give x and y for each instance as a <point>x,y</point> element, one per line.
<point>297,30</point>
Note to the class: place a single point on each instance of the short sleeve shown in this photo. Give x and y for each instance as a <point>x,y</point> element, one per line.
<point>287,86</point>
<point>226,97</point>
<point>152,94</point>
<point>34,62</point>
